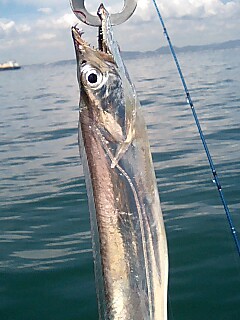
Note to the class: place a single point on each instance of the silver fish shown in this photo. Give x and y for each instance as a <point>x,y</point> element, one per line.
<point>129,240</point>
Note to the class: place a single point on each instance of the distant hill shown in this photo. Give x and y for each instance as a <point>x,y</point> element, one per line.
<point>165,50</point>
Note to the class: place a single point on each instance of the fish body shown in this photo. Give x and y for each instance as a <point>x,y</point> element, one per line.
<point>129,240</point>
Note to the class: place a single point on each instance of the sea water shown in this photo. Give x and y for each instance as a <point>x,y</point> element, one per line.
<point>46,264</point>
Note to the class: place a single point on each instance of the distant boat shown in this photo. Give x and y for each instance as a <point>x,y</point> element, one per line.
<point>9,65</point>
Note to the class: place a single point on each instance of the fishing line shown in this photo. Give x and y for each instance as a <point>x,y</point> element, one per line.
<point>190,102</point>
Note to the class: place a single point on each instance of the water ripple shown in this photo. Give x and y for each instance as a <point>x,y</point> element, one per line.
<point>45,236</point>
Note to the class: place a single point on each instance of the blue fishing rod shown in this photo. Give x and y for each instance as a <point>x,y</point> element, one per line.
<point>190,102</point>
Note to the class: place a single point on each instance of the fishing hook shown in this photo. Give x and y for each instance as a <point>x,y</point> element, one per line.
<point>78,7</point>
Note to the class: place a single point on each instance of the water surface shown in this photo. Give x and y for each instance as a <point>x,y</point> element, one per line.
<point>46,266</point>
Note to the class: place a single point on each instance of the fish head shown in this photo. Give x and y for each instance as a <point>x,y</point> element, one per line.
<point>106,91</point>
<point>94,67</point>
<point>101,90</point>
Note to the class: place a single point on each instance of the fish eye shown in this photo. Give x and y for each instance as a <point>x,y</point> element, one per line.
<point>92,77</point>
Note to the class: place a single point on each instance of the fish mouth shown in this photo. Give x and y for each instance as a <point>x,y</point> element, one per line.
<point>83,48</point>
<point>85,53</point>
<point>80,44</point>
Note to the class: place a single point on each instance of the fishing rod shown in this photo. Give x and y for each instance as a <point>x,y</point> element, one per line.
<point>209,157</point>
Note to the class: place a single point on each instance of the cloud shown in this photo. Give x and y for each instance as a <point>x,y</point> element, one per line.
<point>45,10</point>
<point>42,3</point>
<point>188,22</point>
<point>23,28</point>
<point>191,9</point>
<point>11,28</point>
<point>46,36</point>
<point>64,21</point>
<point>6,26</point>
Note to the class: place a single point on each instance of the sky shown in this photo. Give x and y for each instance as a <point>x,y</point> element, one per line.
<point>34,31</point>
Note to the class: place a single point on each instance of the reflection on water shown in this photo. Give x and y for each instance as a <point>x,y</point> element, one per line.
<point>45,256</point>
